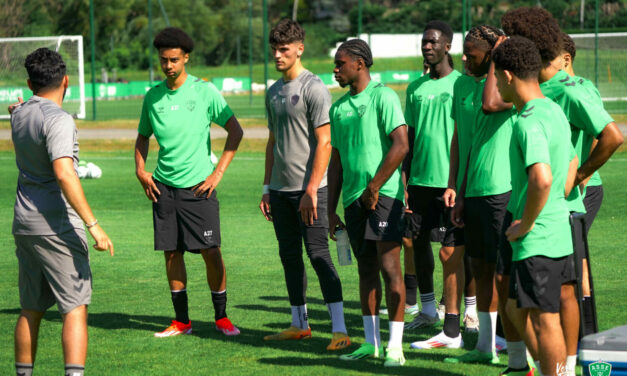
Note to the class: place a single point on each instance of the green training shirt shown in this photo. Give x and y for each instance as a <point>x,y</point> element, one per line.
<point>587,119</point>
<point>360,128</point>
<point>488,167</point>
<point>181,120</point>
<point>463,113</point>
<point>595,179</point>
<point>428,110</point>
<point>538,137</point>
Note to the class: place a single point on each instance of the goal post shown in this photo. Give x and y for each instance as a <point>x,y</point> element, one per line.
<point>13,75</point>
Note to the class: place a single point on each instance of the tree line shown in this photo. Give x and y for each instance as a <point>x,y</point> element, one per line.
<point>220,28</point>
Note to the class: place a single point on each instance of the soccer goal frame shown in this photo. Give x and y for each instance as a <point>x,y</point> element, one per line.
<point>75,71</point>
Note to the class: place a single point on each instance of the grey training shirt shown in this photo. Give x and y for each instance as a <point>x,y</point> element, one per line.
<point>42,132</point>
<point>295,108</point>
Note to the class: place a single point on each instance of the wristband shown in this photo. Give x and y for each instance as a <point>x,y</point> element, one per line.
<point>90,225</point>
<point>266,189</point>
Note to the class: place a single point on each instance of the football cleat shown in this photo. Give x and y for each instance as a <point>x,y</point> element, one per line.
<point>440,340</point>
<point>225,326</point>
<point>339,341</point>
<point>175,329</point>
<point>423,321</point>
<point>475,356</point>
<point>292,333</point>
<point>366,350</point>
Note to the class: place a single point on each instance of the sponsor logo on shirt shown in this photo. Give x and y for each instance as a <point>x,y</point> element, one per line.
<point>174,107</point>
<point>208,233</point>
<point>383,224</point>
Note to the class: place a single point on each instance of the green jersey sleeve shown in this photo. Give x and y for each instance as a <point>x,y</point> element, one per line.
<point>409,107</point>
<point>145,127</point>
<point>218,110</point>
<point>534,144</point>
<point>390,110</point>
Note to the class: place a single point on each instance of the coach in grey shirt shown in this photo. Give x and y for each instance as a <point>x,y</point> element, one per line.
<point>50,207</point>
<point>295,184</point>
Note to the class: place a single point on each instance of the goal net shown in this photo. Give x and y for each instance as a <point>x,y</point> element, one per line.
<point>612,68</point>
<point>13,52</point>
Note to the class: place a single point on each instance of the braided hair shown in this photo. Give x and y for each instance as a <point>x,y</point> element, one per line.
<point>358,49</point>
<point>484,34</point>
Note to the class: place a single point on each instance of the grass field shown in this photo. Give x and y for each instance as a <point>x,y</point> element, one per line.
<point>131,298</point>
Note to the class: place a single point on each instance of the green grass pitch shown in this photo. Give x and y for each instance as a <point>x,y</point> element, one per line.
<point>131,298</point>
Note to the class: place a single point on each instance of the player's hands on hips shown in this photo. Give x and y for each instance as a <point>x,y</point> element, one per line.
<point>208,185</point>
<point>103,243</point>
<point>370,197</point>
<point>516,231</point>
<point>457,213</point>
<point>150,188</point>
<point>264,205</point>
<point>14,105</point>
<point>308,207</point>
<point>449,197</point>
<point>335,223</point>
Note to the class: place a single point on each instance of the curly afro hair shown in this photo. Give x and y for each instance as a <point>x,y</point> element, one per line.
<point>568,45</point>
<point>45,68</point>
<point>173,37</point>
<point>518,55</point>
<point>286,31</point>
<point>537,25</point>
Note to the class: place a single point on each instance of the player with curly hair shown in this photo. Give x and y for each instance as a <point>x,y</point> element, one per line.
<point>542,169</point>
<point>588,121</point>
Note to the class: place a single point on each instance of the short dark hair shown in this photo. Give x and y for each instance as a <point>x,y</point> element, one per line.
<point>518,55</point>
<point>45,68</point>
<point>173,37</point>
<point>485,34</point>
<point>358,49</point>
<point>286,31</point>
<point>441,26</point>
<point>568,45</point>
<point>537,25</point>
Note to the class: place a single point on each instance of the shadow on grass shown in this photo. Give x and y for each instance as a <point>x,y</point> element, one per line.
<point>370,366</point>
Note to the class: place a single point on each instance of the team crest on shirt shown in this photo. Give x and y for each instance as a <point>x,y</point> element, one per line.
<point>190,105</point>
<point>419,98</point>
<point>444,97</point>
<point>160,109</point>
<point>294,99</point>
<point>361,110</point>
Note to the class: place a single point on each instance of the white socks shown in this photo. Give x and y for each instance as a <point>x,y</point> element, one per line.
<point>517,352</point>
<point>396,334</point>
<point>371,330</point>
<point>571,364</point>
<point>336,311</point>
<point>487,331</point>
<point>470,304</point>
<point>299,317</point>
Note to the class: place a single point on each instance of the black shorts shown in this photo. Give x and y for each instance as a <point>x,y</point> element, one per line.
<point>412,227</point>
<point>483,225</point>
<point>592,202</point>
<point>430,214</point>
<point>364,226</point>
<point>536,282</point>
<point>505,252</point>
<point>183,222</point>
